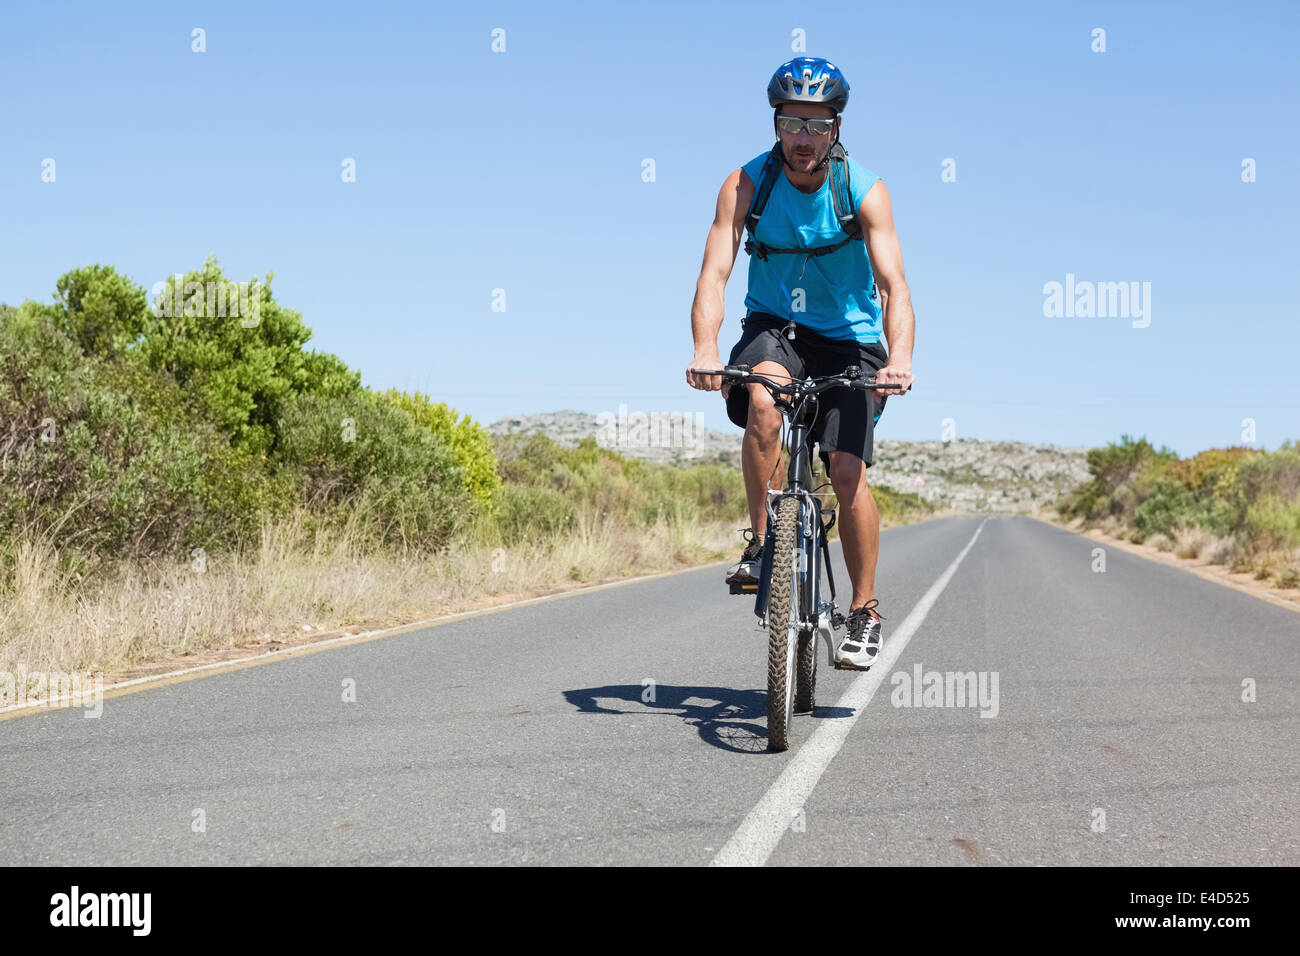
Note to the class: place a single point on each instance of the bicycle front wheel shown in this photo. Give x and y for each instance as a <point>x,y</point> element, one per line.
<point>783,624</point>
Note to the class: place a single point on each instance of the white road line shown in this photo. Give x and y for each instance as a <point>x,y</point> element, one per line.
<point>759,833</point>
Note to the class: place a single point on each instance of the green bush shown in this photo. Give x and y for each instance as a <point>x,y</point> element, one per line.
<point>325,374</point>
<point>900,505</point>
<point>1115,470</point>
<point>1247,495</point>
<point>103,312</point>
<point>189,420</point>
<point>1273,522</point>
<point>1204,471</point>
<point>628,491</point>
<point>715,491</point>
<point>363,452</point>
<point>1166,506</point>
<point>161,422</point>
<point>235,376</point>
<point>1256,500</point>
<point>468,441</point>
<point>531,515</point>
<point>525,459</point>
<point>103,456</point>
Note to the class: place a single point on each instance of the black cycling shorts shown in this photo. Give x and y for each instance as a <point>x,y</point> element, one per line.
<point>846,417</point>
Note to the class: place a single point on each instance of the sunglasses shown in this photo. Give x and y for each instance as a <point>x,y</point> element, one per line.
<point>792,124</point>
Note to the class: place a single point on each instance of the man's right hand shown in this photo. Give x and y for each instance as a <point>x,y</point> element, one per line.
<point>707,383</point>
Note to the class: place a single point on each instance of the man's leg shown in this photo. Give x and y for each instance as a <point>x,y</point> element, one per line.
<point>761,450</point>
<point>859,524</point>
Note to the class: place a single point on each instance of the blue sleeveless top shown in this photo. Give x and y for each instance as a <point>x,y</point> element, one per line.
<point>837,288</point>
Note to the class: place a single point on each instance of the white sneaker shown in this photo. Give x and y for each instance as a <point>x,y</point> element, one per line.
<point>861,645</point>
<point>745,571</point>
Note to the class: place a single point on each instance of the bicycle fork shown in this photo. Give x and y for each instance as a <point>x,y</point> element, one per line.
<point>826,619</point>
<point>813,544</point>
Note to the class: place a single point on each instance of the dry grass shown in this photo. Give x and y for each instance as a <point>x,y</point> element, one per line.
<point>1190,542</point>
<point>296,580</point>
<point>1194,543</point>
<point>1280,567</point>
<point>1160,542</point>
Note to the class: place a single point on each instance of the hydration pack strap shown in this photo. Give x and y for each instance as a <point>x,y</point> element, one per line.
<point>841,197</point>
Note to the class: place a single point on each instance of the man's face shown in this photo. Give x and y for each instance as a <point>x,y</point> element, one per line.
<point>804,150</point>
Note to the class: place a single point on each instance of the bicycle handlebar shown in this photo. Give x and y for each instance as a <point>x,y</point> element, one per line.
<point>851,377</point>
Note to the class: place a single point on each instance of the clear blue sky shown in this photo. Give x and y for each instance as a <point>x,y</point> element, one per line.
<point>522,171</point>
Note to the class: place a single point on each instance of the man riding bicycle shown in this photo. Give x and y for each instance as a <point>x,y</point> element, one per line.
<point>817,302</point>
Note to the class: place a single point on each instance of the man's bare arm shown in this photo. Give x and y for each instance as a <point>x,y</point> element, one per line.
<point>877,216</point>
<point>719,258</point>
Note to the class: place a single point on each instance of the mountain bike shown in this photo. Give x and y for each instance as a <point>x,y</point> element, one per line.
<point>796,553</point>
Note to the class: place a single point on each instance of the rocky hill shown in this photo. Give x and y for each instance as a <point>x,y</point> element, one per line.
<point>965,474</point>
<point>666,437</point>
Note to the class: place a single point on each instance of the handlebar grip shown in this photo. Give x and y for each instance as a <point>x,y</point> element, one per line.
<point>726,370</point>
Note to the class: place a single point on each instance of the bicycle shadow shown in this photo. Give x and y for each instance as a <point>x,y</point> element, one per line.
<point>724,717</point>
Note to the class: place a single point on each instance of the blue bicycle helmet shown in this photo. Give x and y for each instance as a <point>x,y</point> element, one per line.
<point>809,79</point>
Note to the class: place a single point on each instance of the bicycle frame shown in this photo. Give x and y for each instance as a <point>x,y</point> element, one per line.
<point>814,614</point>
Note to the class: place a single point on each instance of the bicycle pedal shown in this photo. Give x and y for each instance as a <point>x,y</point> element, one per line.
<point>744,588</point>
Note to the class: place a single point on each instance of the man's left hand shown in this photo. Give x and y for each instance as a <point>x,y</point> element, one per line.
<point>892,374</point>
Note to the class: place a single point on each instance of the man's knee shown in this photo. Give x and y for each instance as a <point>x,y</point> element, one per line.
<point>764,421</point>
<point>848,474</point>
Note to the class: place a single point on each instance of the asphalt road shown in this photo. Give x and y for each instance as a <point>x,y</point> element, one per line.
<point>1118,733</point>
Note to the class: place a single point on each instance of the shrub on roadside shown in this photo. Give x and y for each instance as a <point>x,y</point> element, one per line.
<point>1236,505</point>
<point>625,490</point>
<point>466,438</point>
<point>1165,505</point>
<point>1270,487</point>
<point>232,374</point>
<point>898,505</point>
<point>102,457</point>
<point>364,454</point>
<point>529,515</point>
<point>1115,470</point>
